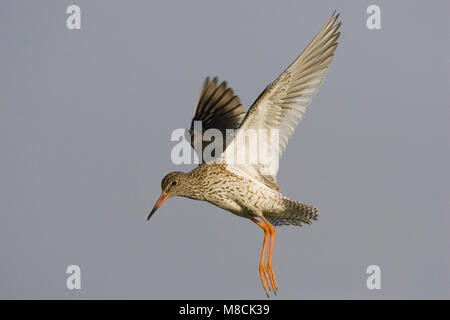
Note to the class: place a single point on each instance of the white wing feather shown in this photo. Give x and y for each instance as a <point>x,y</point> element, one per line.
<point>283,103</point>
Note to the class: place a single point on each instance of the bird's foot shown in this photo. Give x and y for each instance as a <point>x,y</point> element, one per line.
<point>264,278</point>
<point>272,278</point>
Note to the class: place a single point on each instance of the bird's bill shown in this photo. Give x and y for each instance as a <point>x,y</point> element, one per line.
<point>164,196</point>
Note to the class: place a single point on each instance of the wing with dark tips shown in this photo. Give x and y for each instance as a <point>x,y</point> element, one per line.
<point>217,108</point>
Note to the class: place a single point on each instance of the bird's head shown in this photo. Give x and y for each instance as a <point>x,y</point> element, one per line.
<point>172,185</point>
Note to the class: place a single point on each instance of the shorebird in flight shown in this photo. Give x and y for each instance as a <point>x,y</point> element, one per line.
<point>246,189</point>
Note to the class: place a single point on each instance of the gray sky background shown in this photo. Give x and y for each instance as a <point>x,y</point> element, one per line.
<point>85,124</point>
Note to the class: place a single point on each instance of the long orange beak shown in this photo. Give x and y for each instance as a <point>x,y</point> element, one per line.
<point>164,196</point>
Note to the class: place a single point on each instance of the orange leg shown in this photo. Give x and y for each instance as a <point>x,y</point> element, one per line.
<point>269,260</point>
<point>262,266</point>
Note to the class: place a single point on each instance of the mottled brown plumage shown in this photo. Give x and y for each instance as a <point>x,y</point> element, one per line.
<point>239,195</point>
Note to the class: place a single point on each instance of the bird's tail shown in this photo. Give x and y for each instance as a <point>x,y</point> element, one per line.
<point>295,213</point>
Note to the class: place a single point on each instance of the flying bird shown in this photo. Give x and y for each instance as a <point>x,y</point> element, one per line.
<point>247,189</point>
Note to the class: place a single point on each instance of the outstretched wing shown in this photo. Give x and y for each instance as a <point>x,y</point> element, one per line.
<point>217,108</point>
<point>282,104</point>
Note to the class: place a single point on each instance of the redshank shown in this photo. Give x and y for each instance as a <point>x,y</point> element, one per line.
<point>246,189</point>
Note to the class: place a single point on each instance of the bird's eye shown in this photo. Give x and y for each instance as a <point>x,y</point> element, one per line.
<point>174,182</point>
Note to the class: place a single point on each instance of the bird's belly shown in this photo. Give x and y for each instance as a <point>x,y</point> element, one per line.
<point>229,205</point>
<point>245,202</point>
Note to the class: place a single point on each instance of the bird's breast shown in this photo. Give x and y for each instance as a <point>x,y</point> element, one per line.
<point>240,196</point>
